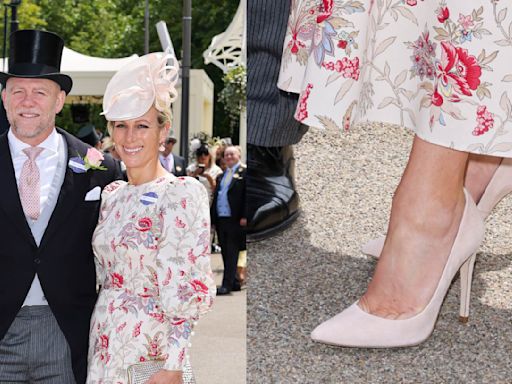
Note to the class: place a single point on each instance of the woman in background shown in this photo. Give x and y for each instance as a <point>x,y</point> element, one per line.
<point>204,169</point>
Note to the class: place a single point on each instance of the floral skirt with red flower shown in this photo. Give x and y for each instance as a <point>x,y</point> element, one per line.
<point>441,68</point>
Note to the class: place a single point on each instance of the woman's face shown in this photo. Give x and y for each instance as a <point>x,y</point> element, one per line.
<point>203,159</point>
<point>138,140</point>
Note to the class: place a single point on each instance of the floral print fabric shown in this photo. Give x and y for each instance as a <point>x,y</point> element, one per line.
<point>153,263</point>
<point>441,68</point>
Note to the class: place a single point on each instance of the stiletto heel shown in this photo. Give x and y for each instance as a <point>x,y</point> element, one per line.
<point>466,277</point>
<point>356,328</point>
<point>499,186</point>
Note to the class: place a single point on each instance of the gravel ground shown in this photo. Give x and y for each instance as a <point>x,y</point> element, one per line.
<point>315,269</point>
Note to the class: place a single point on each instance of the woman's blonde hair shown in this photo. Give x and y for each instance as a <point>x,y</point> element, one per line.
<point>107,143</point>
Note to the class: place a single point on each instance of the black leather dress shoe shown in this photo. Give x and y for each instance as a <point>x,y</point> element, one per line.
<point>236,287</point>
<point>223,291</point>
<point>272,202</point>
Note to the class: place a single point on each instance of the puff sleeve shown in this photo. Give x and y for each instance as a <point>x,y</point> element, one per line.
<point>106,206</point>
<point>185,279</point>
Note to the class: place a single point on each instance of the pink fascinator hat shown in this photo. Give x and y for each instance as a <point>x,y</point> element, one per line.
<point>134,89</point>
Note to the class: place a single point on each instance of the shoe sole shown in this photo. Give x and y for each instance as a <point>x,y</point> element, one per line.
<point>273,231</point>
<point>372,347</point>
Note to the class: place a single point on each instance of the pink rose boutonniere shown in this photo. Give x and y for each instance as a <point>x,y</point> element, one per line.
<point>92,160</point>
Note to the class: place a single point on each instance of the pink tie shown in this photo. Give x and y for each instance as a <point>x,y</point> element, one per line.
<point>29,183</point>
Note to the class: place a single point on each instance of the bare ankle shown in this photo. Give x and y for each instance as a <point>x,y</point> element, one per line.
<point>432,217</point>
<point>480,171</point>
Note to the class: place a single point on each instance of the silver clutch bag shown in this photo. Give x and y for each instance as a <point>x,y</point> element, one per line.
<point>141,372</point>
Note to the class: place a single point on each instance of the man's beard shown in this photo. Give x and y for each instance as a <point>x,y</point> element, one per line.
<point>32,132</point>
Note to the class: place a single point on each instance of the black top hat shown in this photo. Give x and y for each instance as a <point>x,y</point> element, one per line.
<point>88,135</point>
<point>36,54</point>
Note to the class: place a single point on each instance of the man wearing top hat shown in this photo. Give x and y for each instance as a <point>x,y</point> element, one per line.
<point>49,202</point>
<point>89,135</point>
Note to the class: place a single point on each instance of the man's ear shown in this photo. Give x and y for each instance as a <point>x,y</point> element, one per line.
<point>61,99</point>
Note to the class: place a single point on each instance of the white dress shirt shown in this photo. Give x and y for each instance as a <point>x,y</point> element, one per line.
<point>47,161</point>
<point>168,162</point>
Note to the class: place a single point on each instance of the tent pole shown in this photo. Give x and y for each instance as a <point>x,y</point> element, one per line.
<point>185,76</point>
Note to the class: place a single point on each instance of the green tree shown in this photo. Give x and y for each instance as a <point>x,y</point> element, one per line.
<point>29,16</point>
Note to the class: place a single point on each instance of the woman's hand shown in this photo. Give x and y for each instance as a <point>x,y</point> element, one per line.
<point>197,172</point>
<point>211,180</point>
<point>164,376</point>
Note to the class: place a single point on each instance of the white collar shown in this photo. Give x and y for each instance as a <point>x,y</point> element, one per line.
<point>234,167</point>
<point>51,143</point>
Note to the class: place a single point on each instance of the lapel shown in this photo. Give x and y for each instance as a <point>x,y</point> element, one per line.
<point>10,201</point>
<point>179,166</point>
<point>72,191</point>
<point>235,179</point>
<point>174,171</point>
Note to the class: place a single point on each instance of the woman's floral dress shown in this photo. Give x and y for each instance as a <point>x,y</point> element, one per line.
<point>153,264</point>
<point>442,68</point>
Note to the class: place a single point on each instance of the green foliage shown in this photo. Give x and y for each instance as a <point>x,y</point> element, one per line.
<point>115,28</point>
<point>65,119</point>
<point>233,96</point>
<point>95,27</point>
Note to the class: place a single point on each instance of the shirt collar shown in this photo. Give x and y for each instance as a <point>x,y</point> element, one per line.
<point>235,167</point>
<point>165,157</point>
<point>50,144</point>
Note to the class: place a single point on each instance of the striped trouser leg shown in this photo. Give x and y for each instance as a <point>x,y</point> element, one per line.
<point>270,121</point>
<point>34,350</point>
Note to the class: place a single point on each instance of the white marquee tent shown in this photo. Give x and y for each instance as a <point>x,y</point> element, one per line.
<point>90,74</point>
<point>228,48</point>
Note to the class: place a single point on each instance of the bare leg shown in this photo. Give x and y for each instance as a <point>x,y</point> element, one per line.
<point>425,216</point>
<point>480,170</point>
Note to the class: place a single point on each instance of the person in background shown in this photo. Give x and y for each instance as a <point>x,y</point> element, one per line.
<point>229,215</point>
<point>241,270</point>
<point>219,155</point>
<point>241,267</point>
<point>108,148</point>
<point>204,169</point>
<point>174,164</point>
<point>89,135</point>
